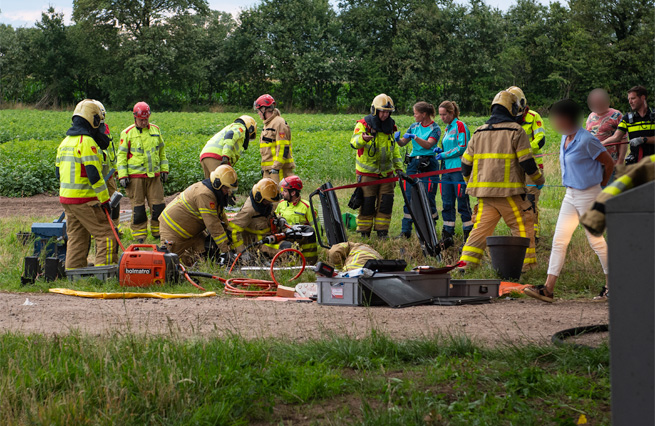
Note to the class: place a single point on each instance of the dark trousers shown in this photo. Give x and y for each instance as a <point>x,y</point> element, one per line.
<point>453,189</point>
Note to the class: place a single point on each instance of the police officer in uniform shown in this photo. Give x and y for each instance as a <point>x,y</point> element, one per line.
<point>275,143</point>
<point>227,146</point>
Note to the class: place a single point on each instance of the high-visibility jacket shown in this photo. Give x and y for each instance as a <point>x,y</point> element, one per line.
<point>141,153</point>
<point>227,145</point>
<point>295,214</point>
<point>79,166</point>
<point>534,128</point>
<point>275,143</point>
<point>249,226</point>
<point>497,160</point>
<point>351,255</point>
<point>379,157</point>
<point>635,175</point>
<point>197,209</point>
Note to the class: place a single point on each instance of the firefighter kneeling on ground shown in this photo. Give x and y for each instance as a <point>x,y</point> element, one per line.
<point>378,157</point>
<point>349,256</point>
<point>200,207</point>
<point>257,220</point>
<point>296,211</point>
<point>494,165</point>
<point>142,171</point>
<point>227,146</point>
<point>82,188</point>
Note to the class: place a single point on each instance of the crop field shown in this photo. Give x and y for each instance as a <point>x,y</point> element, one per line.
<point>237,374</point>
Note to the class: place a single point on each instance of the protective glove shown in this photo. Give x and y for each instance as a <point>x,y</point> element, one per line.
<point>106,207</point>
<point>163,176</point>
<point>409,135</point>
<point>274,172</point>
<point>231,200</point>
<point>540,187</point>
<point>437,150</point>
<point>281,223</point>
<point>285,245</point>
<point>635,142</point>
<point>227,258</point>
<point>439,157</point>
<point>399,172</point>
<point>124,182</point>
<point>396,136</point>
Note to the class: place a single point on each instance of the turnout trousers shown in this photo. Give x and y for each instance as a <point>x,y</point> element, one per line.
<point>533,197</point>
<point>516,211</point>
<point>454,190</point>
<point>188,249</point>
<point>209,164</point>
<point>82,222</point>
<point>139,191</point>
<point>377,206</point>
<point>277,177</point>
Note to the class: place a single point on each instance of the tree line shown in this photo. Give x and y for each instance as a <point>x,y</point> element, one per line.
<point>311,55</point>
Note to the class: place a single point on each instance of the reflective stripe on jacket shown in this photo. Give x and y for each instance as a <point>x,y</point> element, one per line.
<point>298,214</point>
<point>226,144</point>
<point>195,210</point>
<point>379,157</point>
<point>534,128</point>
<point>351,255</point>
<point>74,155</point>
<point>275,143</point>
<point>496,161</point>
<point>141,153</point>
<point>248,226</point>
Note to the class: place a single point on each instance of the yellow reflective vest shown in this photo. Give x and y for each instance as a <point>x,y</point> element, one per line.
<point>295,214</point>
<point>76,156</point>
<point>534,128</point>
<point>495,161</point>
<point>379,157</point>
<point>349,256</point>
<point>141,153</point>
<point>275,144</point>
<point>226,145</point>
<point>195,210</point>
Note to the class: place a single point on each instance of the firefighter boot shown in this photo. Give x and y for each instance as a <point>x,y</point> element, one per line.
<point>383,235</point>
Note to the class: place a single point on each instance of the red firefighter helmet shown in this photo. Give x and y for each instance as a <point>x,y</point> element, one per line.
<point>264,101</point>
<point>141,110</point>
<point>291,182</point>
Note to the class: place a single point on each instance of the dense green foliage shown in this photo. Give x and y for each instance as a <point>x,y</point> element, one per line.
<point>311,54</point>
<point>133,380</point>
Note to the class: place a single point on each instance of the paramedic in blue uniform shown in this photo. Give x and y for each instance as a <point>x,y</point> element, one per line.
<point>424,135</point>
<point>453,188</point>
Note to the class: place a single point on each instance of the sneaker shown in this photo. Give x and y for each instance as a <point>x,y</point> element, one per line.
<point>540,292</point>
<point>604,295</point>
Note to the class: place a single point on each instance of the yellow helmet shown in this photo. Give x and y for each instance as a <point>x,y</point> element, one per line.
<point>508,100</point>
<point>224,175</point>
<point>251,126</point>
<point>382,102</point>
<point>516,91</point>
<point>90,111</point>
<point>102,109</point>
<point>266,189</point>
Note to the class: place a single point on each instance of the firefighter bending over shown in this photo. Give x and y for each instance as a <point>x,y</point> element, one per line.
<point>348,256</point>
<point>82,188</point>
<point>275,142</point>
<point>198,209</point>
<point>494,165</point>
<point>378,157</point>
<point>296,211</point>
<point>227,146</point>
<point>142,171</point>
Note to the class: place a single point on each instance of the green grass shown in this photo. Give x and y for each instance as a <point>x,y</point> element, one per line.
<point>134,380</point>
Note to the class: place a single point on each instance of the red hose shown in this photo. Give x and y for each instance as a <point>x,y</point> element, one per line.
<point>186,275</point>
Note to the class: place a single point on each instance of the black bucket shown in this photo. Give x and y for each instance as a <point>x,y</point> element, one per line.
<point>507,255</point>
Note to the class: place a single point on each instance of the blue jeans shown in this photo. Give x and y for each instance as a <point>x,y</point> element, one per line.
<point>430,183</point>
<point>453,189</point>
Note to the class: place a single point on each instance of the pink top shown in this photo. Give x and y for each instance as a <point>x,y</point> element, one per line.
<point>604,126</point>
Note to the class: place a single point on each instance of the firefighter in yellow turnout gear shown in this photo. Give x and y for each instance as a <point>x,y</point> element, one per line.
<point>534,127</point>
<point>142,170</point>
<point>200,207</point>
<point>275,142</point>
<point>378,157</point>
<point>348,256</point>
<point>227,146</point>
<point>296,211</point>
<point>494,165</point>
<point>82,188</point>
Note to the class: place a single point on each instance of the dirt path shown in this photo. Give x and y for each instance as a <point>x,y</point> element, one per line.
<point>502,321</point>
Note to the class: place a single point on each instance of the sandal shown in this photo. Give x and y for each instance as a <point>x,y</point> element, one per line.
<point>540,292</point>
<point>604,295</point>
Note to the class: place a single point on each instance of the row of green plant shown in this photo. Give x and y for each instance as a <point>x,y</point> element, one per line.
<point>131,379</point>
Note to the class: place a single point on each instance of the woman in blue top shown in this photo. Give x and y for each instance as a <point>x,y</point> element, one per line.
<point>424,135</point>
<point>453,188</point>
